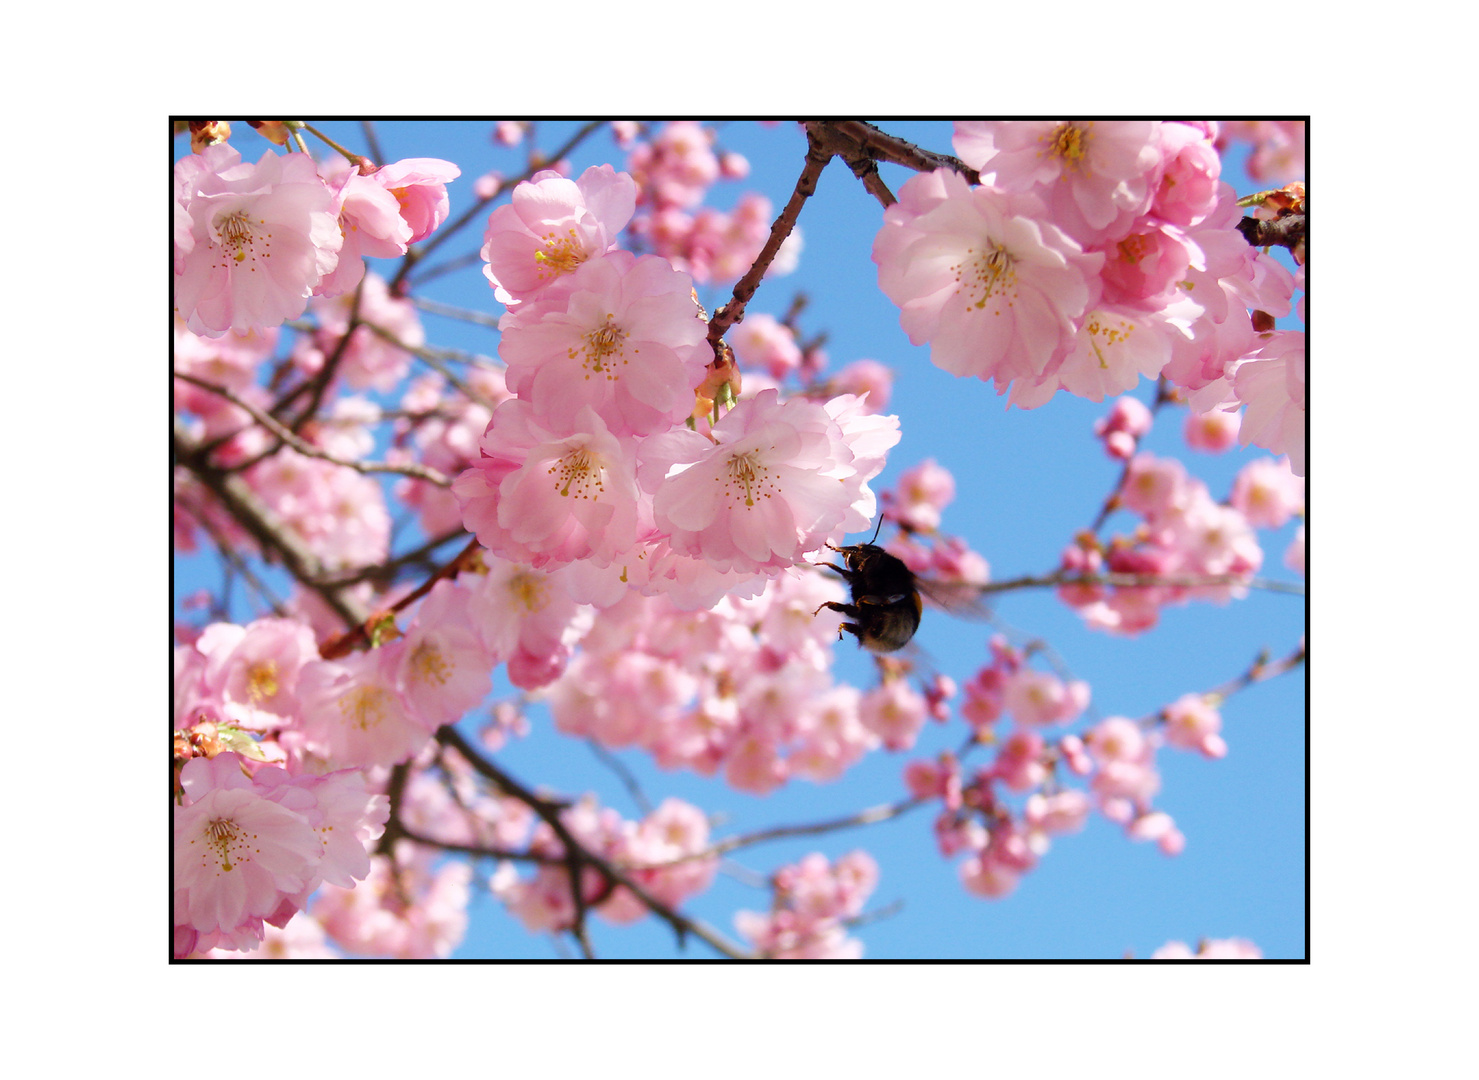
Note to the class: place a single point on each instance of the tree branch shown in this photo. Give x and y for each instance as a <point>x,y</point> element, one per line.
<point>550,812</point>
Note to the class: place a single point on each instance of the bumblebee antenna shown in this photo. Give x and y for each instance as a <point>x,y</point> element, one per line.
<point>877,527</point>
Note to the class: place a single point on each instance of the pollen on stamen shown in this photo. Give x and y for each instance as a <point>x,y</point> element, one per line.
<point>582,471</point>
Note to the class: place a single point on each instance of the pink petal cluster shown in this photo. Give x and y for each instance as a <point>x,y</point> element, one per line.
<point>252,242</point>
<point>743,687</point>
<point>620,335</point>
<point>249,850</point>
<point>1094,253</point>
<point>408,908</point>
<point>1185,535</point>
<point>813,899</point>
<point>552,226</point>
<point>662,854</point>
<point>994,288</point>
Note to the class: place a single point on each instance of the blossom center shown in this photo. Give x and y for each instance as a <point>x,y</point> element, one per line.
<point>603,346</point>
<point>430,664</point>
<point>1070,144</point>
<point>528,590</point>
<point>1111,336</point>
<point>992,275</point>
<point>364,706</point>
<point>561,254</point>
<point>237,236</point>
<point>223,834</point>
<point>262,681</point>
<point>750,477</point>
<point>582,470</point>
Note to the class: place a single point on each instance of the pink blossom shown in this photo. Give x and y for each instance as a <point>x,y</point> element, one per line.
<point>403,909</point>
<point>528,614</point>
<point>1064,811</point>
<point>1113,349</point>
<point>993,287</point>
<point>338,512</point>
<point>754,764</point>
<point>677,166</point>
<point>369,360</point>
<point>548,497</point>
<point>1192,723</point>
<point>237,854</point>
<point>551,226</point>
<point>866,378</point>
<point>370,221</point>
<point>1214,539</point>
<point>1126,423</point>
<point>1095,175</point>
<point>1039,697</point>
<point>619,335</point>
<point>1267,493</point>
<point>1211,432</point>
<point>444,665</point>
<point>1154,487</point>
<point>262,238</point>
<point>354,714</point>
<point>895,712</point>
<point>1145,270</point>
<point>420,189</point>
<point>1019,763</point>
<point>763,341</point>
<point>253,670</point>
<point>922,493</point>
<point>1271,383</point>
<point>249,850</point>
<point>765,493</point>
<point>1116,739</point>
<point>1187,190</point>
<point>983,876</point>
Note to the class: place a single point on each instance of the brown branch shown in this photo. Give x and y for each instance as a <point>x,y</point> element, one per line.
<point>865,140</point>
<point>382,572</point>
<point>308,449</point>
<point>744,289</point>
<point>359,633</point>
<point>550,812</point>
<point>271,534</point>
<point>1129,581</point>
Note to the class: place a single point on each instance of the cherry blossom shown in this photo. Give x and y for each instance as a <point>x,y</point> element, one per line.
<point>990,283</point>
<point>619,335</point>
<point>262,237</point>
<point>551,226</point>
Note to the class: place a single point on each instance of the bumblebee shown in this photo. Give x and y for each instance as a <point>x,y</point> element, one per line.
<point>885,606</point>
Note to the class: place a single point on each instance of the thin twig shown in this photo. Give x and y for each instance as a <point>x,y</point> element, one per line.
<point>1172,581</point>
<point>308,449</point>
<point>550,813</point>
<point>806,186</point>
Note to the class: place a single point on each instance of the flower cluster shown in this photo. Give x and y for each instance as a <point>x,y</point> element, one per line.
<point>674,170</point>
<point>250,849</point>
<point>663,855</point>
<point>1090,254</point>
<point>253,242</point>
<point>591,463</point>
<point>813,902</point>
<point>1183,534</point>
<point>1001,839</point>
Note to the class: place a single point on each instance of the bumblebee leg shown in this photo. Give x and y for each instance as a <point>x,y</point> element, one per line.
<point>843,609</point>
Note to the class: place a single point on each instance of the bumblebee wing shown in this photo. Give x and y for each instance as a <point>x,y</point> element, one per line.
<point>959,598</point>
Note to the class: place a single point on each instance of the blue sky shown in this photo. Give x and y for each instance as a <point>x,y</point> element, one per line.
<point>1026,481</point>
